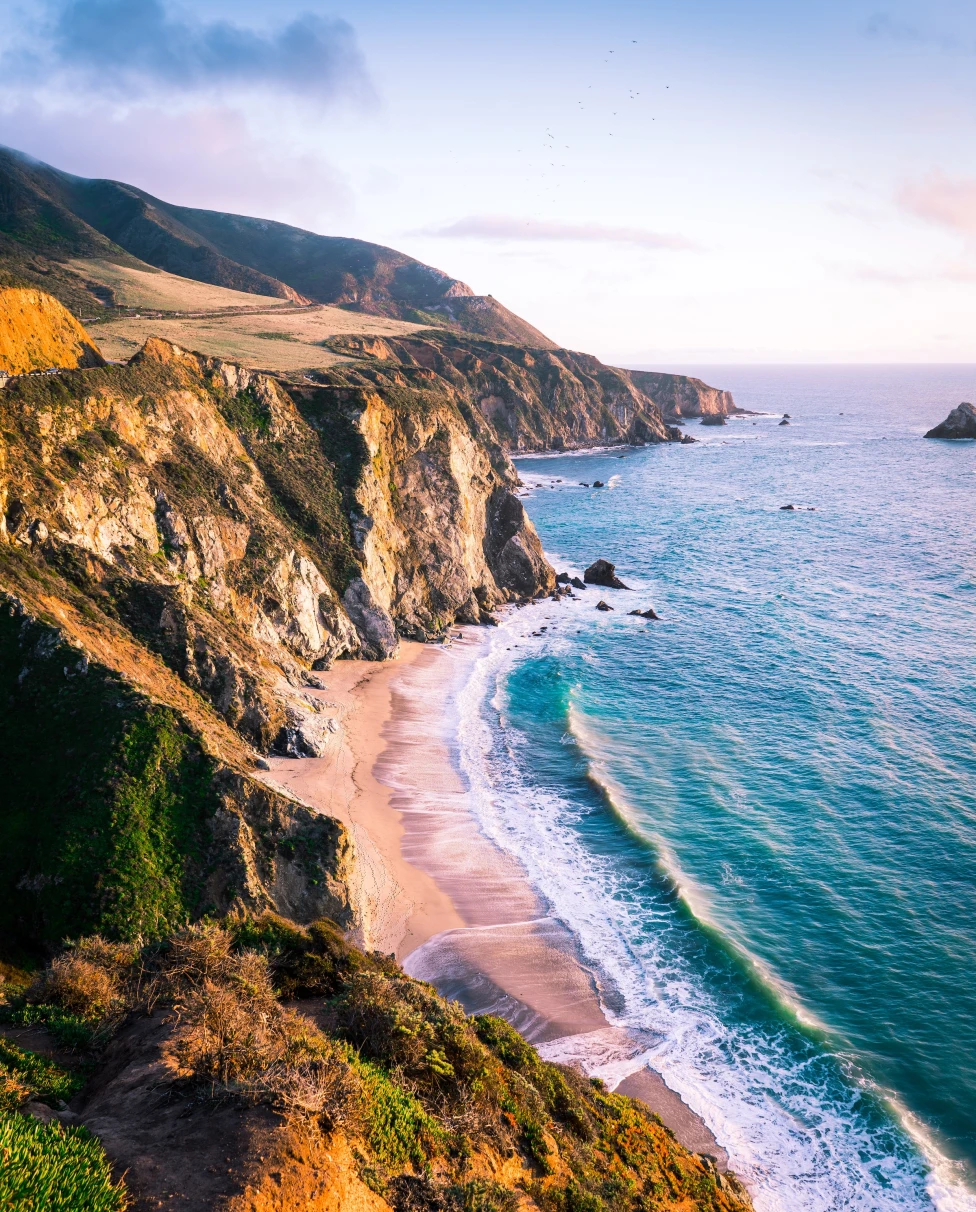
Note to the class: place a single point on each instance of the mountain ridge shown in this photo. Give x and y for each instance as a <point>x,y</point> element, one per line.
<point>62,214</point>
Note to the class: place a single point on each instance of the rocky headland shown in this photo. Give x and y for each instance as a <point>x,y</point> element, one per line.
<point>187,545</point>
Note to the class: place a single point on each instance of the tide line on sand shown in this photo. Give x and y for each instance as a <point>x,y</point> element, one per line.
<point>455,909</point>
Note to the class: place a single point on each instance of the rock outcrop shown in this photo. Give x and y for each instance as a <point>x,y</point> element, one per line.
<point>602,572</point>
<point>38,333</point>
<point>682,395</point>
<point>960,423</point>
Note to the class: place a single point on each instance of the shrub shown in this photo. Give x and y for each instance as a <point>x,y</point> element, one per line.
<point>234,1038</point>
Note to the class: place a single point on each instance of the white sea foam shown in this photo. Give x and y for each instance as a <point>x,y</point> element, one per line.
<point>795,1131</point>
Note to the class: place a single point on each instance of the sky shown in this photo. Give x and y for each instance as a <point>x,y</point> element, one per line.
<point>659,183</point>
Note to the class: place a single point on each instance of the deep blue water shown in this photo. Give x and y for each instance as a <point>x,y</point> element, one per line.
<point>759,814</point>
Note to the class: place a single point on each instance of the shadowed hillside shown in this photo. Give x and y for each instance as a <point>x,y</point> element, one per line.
<point>54,216</point>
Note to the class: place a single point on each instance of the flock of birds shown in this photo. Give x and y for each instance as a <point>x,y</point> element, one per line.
<point>550,144</point>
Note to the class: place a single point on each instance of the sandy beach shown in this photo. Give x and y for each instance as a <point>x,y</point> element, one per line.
<point>452,906</point>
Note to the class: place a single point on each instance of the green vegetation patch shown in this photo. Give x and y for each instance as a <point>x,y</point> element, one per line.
<point>398,1129</point>
<point>28,1076</point>
<point>51,1168</point>
<point>107,833</point>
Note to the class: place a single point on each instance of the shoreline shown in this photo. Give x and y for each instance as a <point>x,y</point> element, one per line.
<point>454,908</point>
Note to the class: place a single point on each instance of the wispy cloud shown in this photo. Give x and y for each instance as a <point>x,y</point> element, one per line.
<point>882,26</point>
<point>134,48</point>
<point>949,201</point>
<point>893,277</point>
<point>207,157</point>
<point>499,227</point>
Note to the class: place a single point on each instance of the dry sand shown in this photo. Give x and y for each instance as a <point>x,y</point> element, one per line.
<point>453,907</point>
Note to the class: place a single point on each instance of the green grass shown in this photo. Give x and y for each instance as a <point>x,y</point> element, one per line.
<point>70,1030</point>
<point>399,1131</point>
<point>43,1080</point>
<point>51,1168</point>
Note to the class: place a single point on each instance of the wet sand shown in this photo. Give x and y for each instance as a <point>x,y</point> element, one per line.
<point>454,908</point>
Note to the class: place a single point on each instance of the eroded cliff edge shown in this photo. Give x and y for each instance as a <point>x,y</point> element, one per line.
<point>526,400</point>
<point>183,542</point>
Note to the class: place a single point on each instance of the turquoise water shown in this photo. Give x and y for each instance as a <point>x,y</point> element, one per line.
<point>759,814</point>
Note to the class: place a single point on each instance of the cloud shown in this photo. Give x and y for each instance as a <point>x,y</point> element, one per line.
<point>948,201</point>
<point>134,48</point>
<point>891,277</point>
<point>208,157</point>
<point>497,227</point>
<point>882,26</point>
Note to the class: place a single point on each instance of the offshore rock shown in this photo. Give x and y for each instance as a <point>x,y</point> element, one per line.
<point>603,606</point>
<point>716,418</point>
<point>577,583</point>
<point>602,572</point>
<point>649,613</point>
<point>959,424</point>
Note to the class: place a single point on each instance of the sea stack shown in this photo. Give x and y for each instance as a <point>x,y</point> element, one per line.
<point>960,423</point>
<point>602,572</point>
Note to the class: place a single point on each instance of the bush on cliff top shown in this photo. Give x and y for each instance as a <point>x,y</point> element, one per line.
<point>417,1085</point>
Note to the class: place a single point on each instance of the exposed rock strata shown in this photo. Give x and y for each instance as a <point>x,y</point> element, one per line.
<point>682,395</point>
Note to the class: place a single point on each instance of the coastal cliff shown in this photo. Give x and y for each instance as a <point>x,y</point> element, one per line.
<point>185,545</point>
<point>202,539</point>
<point>522,400</point>
<point>680,396</point>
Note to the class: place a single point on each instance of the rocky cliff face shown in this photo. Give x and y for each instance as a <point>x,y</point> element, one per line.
<point>245,535</point>
<point>681,396</point>
<point>520,399</point>
<point>36,333</point>
<point>182,542</point>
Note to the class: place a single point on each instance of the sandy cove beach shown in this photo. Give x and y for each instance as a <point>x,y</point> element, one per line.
<point>454,908</point>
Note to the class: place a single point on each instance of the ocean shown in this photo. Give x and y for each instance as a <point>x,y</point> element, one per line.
<point>758,814</point>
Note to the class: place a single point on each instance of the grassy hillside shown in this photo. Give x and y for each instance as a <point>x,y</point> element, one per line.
<point>48,217</point>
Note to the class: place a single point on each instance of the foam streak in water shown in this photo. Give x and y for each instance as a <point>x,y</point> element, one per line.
<point>799,1124</point>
